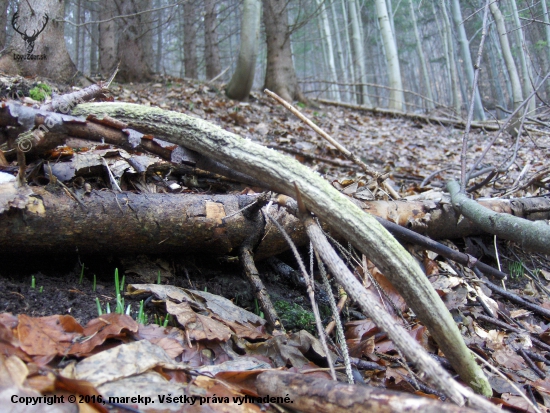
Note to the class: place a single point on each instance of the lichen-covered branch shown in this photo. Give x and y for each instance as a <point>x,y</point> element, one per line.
<point>281,172</point>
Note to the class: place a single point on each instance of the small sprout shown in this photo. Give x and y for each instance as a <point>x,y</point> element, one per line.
<point>128,309</point>
<point>166,321</point>
<point>81,275</point>
<point>141,317</point>
<point>98,305</point>
<point>158,277</point>
<point>33,282</point>
<point>108,308</point>
<point>94,284</point>
<point>41,289</point>
<point>516,269</point>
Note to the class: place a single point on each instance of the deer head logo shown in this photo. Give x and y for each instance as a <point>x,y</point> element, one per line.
<point>29,40</point>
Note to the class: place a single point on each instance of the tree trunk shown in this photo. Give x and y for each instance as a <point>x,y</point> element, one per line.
<point>77,35</point>
<point>46,51</point>
<point>467,58</point>
<point>3,22</point>
<point>280,75</point>
<point>158,57</point>
<point>427,83</point>
<point>546,19</point>
<point>212,52</point>
<point>394,72</point>
<point>190,40</point>
<point>340,53</point>
<point>94,40</point>
<point>525,72</point>
<point>450,57</point>
<point>329,47</point>
<point>107,39</point>
<point>517,95</point>
<point>362,96</point>
<point>134,42</point>
<point>242,80</point>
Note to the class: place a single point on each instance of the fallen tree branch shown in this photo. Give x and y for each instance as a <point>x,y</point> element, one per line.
<point>344,217</point>
<point>533,236</point>
<point>411,349</point>
<point>317,395</point>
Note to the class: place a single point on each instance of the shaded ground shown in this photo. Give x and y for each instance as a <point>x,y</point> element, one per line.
<point>59,288</point>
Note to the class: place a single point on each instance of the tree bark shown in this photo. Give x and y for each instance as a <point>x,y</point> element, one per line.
<point>517,95</point>
<point>450,58</point>
<point>3,22</point>
<point>468,66</point>
<point>126,223</point>
<point>53,59</point>
<point>310,394</point>
<point>280,75</point>
<point>241,82</point>
<point>212,52</point>
<point>525,72</point>
<point>429,104</point>
<point>531,236</point>
<point>329,47</point>
<point>394,72</point>
<point>190,40</point>
<point>108,38</point>
<point>362,96</point>
<point>134,42</point>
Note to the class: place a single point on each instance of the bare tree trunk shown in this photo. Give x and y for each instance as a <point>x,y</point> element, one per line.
<point>189,40</point>
<point>340,52</point>
<point>427,83</point>
<point>212,52</point>
<point>280,75</point>
<point>350,63</point>
<point>134,42</point>
<point>94,40</point>
<point>525,69</point>
<point>467,58</point>
<point>107,39</point>
<point>450,57</point>
<point>546,19</point>
<point>77,35</point>
<point>327,35</point>
<point>3,22</point>
<point>46,54</point>
<point>242,80</point>
<point>517,95</point>
<point>358,55</point>
<point>394,72</point>
<point>158,57</point>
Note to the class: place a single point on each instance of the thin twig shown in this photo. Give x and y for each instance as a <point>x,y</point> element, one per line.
<point>367,169</point>
<point>310,289</point>
<point>510,382</point>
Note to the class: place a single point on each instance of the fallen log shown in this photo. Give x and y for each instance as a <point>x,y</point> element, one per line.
<point>310,394</point>
<point>51,221</point>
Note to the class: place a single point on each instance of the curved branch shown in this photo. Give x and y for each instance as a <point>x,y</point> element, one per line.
<point>344,217</point>
<point>533,236</point>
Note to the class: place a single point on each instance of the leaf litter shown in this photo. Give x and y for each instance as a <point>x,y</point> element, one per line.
<point>214,348</point>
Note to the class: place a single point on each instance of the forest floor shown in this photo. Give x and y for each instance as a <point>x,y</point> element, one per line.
<point>412,152</point>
